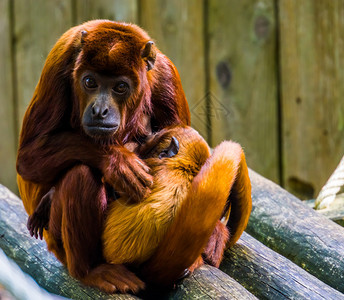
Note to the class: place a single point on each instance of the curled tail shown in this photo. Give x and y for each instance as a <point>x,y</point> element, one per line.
<point>198,214</point>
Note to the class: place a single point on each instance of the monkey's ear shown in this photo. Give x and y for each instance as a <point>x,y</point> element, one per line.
<point>171,150</point>
<point>148,54</point>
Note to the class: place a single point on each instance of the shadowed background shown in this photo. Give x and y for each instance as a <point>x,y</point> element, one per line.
<point>268,74</point>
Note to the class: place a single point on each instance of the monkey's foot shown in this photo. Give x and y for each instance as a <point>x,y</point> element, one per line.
<point>199,262</point>
<point>113,278</point>
<point>213,252</point>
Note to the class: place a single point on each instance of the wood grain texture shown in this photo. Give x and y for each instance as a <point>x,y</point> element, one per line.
<point>8,143</point>
<point>293,229</point>
<point>243,84</point>
<point>269,275</point>
<point>312,76</point>
<point>209,283</point>
<point>38,25</point>
<point>116,10</point>
<point>33,258</point>
<point>177,28</point>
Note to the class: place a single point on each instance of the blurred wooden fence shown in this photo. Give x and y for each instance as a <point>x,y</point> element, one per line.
<point>266,73</point>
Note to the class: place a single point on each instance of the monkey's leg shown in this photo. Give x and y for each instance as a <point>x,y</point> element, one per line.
<point>83,201</point>
<point>239,211</point>
<point>240,200</point>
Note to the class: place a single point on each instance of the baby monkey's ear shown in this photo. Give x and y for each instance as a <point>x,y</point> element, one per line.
<point>171,150</point>
<point>148,54</point>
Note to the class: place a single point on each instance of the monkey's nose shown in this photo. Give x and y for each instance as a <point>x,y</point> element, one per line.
<point>99,111</point>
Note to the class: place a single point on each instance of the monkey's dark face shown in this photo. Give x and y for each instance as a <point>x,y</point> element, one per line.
<point>103,98</point>
<point>110,80</point>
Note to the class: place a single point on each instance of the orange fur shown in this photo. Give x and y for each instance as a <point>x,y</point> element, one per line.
<point>240,200</point>
<point>133,232</point>
<point>170,228</point>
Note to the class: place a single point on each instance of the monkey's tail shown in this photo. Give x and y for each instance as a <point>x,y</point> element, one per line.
<point>224,174</point>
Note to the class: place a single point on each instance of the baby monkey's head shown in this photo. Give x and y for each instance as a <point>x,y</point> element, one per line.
<point>177,148</point>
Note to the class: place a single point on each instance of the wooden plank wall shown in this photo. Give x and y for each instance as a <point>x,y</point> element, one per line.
<point>265,73</point>
<point>312,90</point>
<point>7,111</point>
<point>243,82</point>
<point>34,37</point>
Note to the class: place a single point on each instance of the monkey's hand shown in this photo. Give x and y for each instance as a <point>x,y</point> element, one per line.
<point>40,218</point>
<point>128,174</point>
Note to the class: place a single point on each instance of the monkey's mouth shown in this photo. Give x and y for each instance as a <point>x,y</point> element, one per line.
<point>100,130</point>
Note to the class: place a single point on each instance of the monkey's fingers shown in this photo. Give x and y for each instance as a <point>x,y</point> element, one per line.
<point>28,224</point>
<point>140,170</point>
<point>143,175</point>
<point>143,165</point>
<point>31,225</point>
<point>34,225</point>
<point>124,284</point>
<point>133,187</point>
<point>134,180</point>
<point>35,230</point>
<point>40,231</point>
<point>185,274</point>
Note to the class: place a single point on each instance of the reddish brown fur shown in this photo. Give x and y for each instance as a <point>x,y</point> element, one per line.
<point>216,245</point>
<point>53,144</point>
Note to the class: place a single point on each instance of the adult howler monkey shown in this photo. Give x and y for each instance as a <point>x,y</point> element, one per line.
<point>100,84</point>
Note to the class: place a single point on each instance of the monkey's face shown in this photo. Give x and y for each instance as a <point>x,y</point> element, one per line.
<point>103,98</point>
<point>111,81</point>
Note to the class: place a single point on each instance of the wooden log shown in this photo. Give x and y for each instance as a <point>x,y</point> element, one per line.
<point>335,212</point>
<point>209,283</point>
<point>291,228</point>
<point>269,275</point>
<point>33,258</point>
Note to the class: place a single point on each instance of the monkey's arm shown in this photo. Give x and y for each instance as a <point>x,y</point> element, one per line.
<point>200,211</point>
<point>44,159</point>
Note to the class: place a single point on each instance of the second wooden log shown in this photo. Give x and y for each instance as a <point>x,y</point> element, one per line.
<point>289,227</point>
<point>269,275</point>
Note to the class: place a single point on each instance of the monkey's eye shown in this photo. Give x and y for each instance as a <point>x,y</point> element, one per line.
<point>121,87</point>
<point>90,82</point>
